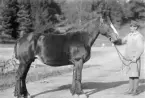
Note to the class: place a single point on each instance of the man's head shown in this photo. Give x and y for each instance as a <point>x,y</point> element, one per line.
<point>134,26</point>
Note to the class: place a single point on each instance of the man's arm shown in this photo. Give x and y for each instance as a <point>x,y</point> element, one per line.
<point>121,41</point>
<point>118,42</point>
<point>140,49</point>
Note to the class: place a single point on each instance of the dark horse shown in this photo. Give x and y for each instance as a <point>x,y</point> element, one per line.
<point>59,50</point>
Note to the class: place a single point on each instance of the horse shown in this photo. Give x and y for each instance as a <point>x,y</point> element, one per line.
<point>58,50</point>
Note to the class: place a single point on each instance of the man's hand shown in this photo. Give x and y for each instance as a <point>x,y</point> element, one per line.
<point>134,60</point>
<point>117,42</point>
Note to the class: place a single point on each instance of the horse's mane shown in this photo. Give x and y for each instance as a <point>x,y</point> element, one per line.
<point>85,26</point>
<point>72,29</point>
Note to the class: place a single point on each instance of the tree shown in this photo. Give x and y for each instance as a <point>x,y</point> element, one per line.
<point>138,9</point>
<point>44,12</point>
<point>9,16</point>
<point>6,25</point>
<point>24,18</point>
<point>1,18</point>
<point>34,14</point>
<point>115,12</point>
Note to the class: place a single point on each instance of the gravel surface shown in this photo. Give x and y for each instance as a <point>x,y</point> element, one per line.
<point>104,79</point>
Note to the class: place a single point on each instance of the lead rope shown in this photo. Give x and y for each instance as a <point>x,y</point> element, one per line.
<point>123,58</point>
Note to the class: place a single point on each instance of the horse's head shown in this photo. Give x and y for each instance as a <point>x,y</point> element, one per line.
<point>107,29</point>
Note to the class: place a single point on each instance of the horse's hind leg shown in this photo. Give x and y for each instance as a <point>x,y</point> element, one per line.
<point>20,87</point>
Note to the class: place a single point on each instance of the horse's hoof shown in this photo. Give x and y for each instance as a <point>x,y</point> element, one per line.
<point>75,96</point>
<point>83,96</point>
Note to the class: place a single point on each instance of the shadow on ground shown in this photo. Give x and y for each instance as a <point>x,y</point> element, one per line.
<point>142,87</point>
<point>96,86</point>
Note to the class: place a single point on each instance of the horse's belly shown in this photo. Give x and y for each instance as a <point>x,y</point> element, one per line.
<point>54,60</point>
<point>52,50</point>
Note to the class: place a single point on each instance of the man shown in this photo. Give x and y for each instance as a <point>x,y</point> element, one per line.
<point>134,49</point>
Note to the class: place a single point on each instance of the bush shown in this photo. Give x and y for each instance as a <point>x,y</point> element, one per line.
<point>8,17</point>
<point>121,12</point>
<point>26,15</point>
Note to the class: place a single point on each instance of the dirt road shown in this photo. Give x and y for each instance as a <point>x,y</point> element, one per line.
<point>102,80</point>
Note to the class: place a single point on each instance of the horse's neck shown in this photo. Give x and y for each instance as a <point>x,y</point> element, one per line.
<point>93,33</point>
<point>93,38</point>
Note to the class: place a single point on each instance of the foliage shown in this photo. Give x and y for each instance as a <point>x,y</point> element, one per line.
<point>43,12</point>
<point>116,13</point>
<point>9,25</point>
<point>38,15</point>
<point>24,18</point>
<point>121,12</point>
<point>26,15</point>
<point>136,9</point>
<point>78,12</point>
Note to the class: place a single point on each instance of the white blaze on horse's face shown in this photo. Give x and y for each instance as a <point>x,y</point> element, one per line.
<point>107,29</point>
<point>113,34</point>
<point>115,31</point>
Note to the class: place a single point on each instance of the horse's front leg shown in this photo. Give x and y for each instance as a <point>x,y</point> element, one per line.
<point>77,77</point>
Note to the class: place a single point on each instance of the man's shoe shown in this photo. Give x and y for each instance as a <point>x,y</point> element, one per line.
<point>135,93</point>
